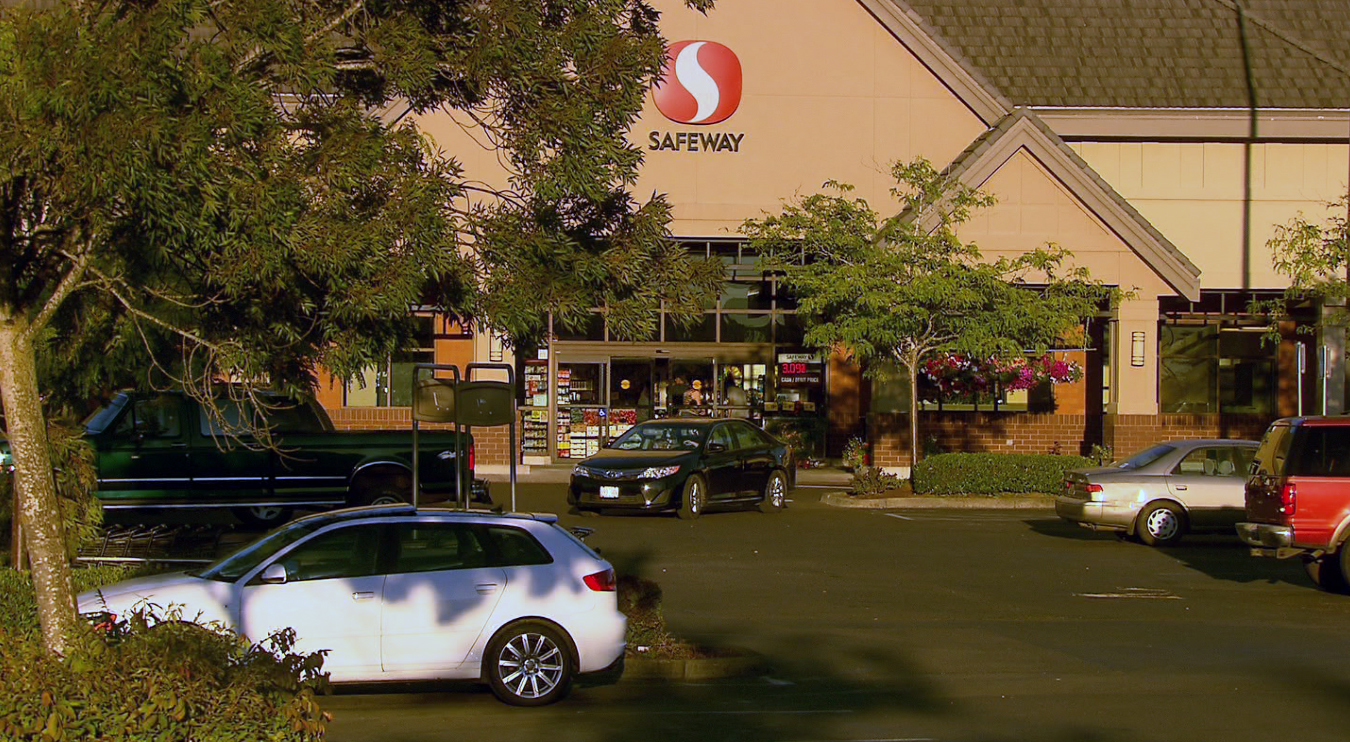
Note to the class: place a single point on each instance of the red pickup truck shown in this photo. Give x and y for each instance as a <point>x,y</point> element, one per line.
<point>1298,497</point>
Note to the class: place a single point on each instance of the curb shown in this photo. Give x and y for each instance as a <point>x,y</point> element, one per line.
<point>958,502</point>
<point>711,668</point>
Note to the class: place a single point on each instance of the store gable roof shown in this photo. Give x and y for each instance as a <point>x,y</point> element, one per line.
<point>1131,53</point>
<point>1022,130</point>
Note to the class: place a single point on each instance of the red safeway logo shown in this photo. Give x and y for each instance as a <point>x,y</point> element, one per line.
<point>701,83</point>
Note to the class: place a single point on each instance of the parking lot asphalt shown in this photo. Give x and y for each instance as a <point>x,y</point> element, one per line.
<point>931,624</point>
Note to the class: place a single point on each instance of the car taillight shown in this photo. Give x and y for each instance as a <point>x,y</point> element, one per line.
<point>1288,499</point>
<point>471,457</point>
<point>601,582</point>
<point>1094,488</point>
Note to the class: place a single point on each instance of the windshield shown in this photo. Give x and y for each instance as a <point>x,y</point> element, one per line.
<point>661,437</point>
<point>1146,456</point>
<point>238,564</point>
<point>98,421</point>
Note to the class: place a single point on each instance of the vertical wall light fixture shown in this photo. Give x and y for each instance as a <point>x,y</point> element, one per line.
<point>1137,349</point>
<point>494,347</point>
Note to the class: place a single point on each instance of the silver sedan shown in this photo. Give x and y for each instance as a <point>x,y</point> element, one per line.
<point>1163,492</point>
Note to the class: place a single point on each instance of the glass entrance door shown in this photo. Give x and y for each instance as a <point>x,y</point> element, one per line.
<point>631,401</point>
<point>687,386</point>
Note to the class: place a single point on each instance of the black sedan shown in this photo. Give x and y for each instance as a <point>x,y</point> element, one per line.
<point>687,465</point>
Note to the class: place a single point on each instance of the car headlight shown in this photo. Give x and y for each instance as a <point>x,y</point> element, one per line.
<point>580,471</point>
<point>656,472</point>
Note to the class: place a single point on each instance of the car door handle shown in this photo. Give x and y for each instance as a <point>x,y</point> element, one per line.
<point>1181,486</point>
<point>486,588</point>
<point>363,596</point>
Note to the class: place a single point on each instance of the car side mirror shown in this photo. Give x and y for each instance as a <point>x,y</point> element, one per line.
<point>274,574</point>
<point>716,447</point>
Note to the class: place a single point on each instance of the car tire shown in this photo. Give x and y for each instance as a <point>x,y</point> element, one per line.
<point>384,493</point>
<point>1328,573</point>
<point>529,664</point>
<point>694,498</point>
<point>775,493</point>
<point>1161,524</point>
<point>263,516</point>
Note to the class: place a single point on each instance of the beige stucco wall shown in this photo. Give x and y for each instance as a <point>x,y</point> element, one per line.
<point>1033,208</point>
<point>828,94</point>
<point>1193,194</point>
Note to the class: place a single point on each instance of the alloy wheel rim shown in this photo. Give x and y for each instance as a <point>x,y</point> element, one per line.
<point>385,500</point>
<point>1162,524</point>
<point>776,491</point>
<point>530,665</point>
<point>695,496</point>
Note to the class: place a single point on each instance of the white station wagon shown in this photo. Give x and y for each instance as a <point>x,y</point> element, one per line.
<point>400,593</point>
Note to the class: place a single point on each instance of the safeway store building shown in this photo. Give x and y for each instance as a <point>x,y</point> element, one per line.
<point>1161,141</point>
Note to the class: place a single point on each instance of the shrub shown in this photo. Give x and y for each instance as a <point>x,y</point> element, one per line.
<point>870,480</point>
<point>993,473</point>
<point>152,678</point>
<point>18,607</point>
<point>855,454</point>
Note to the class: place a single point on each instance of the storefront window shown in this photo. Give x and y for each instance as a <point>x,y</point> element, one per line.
<point>746,328</point>
<point>788,330</point>
<point>747,295</point>
<point>701,330</point>
<point>592,328</point>
<point>1207,368</point>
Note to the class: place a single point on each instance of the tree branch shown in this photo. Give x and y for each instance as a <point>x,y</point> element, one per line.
<point>69,282</point>
<point>109,285</point>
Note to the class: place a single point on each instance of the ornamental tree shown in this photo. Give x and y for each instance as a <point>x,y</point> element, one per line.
<point>906,289</point>
<point>204,190</point>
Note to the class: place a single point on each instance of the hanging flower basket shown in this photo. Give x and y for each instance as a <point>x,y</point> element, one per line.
<point>956,375</point>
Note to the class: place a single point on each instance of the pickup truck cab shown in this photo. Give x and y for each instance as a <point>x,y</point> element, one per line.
<point>165,451</point>
<point>1298,497</point>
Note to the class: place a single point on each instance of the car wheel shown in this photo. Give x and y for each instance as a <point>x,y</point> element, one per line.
<point>264,516</point>
<point>385,493</point>
<point>1161,524</point>
<point>775,493</point>
<point>529,664</point>
<point>1328,572</point>
<point>694,499</point>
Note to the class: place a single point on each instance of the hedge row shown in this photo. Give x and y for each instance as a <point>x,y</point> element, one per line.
<point>151,678</point>
<point>993,473</point>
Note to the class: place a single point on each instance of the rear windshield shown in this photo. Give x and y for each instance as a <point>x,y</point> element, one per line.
<point>1146,456</point>
<point>1273,451</point>
<point>1316,451</point>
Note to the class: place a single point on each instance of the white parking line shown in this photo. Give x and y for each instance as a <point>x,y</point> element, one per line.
<point>1141,593</point>
<point>901,517</point>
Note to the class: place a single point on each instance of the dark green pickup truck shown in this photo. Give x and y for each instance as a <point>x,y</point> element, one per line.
<point>162,451</point>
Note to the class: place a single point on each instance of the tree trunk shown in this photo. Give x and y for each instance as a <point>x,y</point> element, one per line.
<point>914,447</point>
<point>39,511</point>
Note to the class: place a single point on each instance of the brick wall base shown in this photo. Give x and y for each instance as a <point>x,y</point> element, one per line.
<point>491,445</point>
<point>986,432</point>
<point>1130,433</point>
<point>977,432</point>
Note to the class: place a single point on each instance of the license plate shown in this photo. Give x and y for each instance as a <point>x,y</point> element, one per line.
<point>609,493</point>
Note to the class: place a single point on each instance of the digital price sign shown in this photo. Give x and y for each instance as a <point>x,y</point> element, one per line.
<point>799,369</point>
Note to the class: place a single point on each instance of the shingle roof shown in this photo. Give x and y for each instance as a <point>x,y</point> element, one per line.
<point>1148,53</point>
